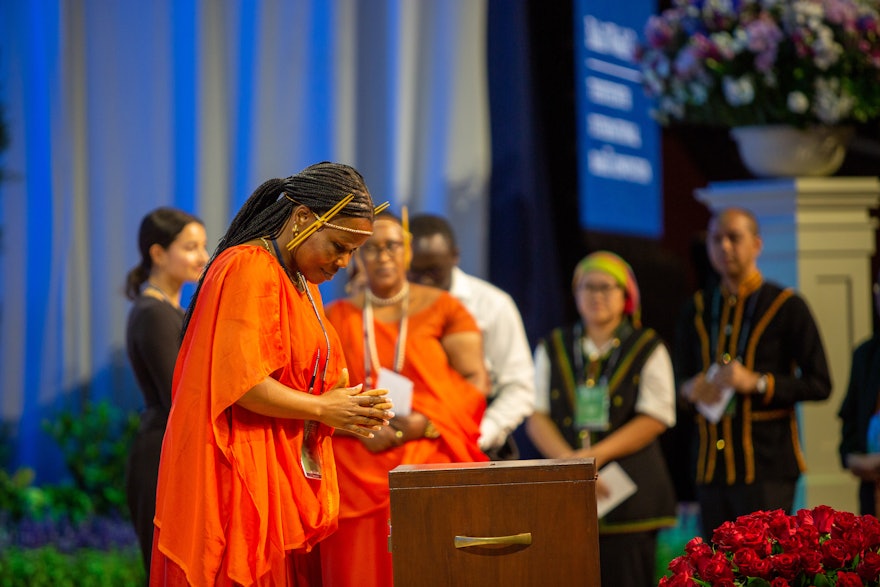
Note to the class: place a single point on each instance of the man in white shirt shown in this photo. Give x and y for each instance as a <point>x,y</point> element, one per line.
<point>505,345</point>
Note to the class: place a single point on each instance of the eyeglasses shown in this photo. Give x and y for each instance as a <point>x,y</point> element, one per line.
<point>603,289</point>
<point>373,252</point>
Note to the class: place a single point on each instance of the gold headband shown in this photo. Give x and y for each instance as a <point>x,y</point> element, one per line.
<point>376,210</point>
<point>323,221</point>
<point>347,229</point>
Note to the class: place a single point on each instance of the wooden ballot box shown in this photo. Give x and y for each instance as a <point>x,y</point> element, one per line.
<point>504,523</point>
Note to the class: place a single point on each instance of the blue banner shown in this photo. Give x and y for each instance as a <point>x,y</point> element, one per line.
<point>618,141</point>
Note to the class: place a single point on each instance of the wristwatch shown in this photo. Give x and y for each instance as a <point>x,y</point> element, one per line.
<point>761,385</point>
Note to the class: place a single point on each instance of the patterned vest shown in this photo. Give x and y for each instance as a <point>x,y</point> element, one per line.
<point>653,505</point>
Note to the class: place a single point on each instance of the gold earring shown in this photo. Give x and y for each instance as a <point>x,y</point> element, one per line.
<point>295,230</point>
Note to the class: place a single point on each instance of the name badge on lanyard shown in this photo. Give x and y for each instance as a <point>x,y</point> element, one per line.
<point>311,459</point>
<point>592,406</point>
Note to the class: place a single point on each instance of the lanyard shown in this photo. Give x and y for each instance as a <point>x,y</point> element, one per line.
<point>371,353</point>
<point>577,352</point>
<point>304,286</point>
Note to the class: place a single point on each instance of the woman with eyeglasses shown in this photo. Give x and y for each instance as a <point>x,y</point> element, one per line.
<point>422,345</point>
<point>605,389</point>
<point>247,479</point>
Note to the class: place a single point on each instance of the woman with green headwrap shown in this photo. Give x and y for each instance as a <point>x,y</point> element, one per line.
<point>605,389</point>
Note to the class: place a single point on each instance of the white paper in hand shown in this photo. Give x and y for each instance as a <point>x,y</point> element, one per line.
<point>714,411</point>
<point>619,486</point>
<point>400,390</point>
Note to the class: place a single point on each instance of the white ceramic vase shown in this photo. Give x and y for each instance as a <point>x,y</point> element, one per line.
<point>778,150</point>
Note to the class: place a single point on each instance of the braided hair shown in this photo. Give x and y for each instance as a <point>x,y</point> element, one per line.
<point>159,227</point>
<point>319,187</point>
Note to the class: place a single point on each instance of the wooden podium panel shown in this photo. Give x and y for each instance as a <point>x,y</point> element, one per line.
<point>505,523</point>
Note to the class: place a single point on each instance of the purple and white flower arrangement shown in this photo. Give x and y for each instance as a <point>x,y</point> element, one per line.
<point>747,62</point>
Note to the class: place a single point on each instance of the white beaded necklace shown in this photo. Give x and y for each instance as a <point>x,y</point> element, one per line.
<point>395,299</point>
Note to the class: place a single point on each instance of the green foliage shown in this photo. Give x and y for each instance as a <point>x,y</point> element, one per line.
<point>46,566</point>
<point>73,535</point>
<point>15,497</point>
<point>19,500</point>
<point>95,444</point>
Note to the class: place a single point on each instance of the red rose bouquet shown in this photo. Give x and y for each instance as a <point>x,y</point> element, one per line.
<point>814,548</point>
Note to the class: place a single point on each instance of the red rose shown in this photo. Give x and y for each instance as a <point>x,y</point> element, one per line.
<point>696,548</point>
<point>854,539</point>
<point>822,517</point>
<point>847,579</point>
<point>843,523</point>
<point>727,536</point>
<point>811,562</point>
<point>755,536</point>
<point>715,568</point>
<point>681,566</point>
<point>747,532</point>
<point>869,566</point>
<point>750,564</point>
<point>759,567</point>
<point>676,581</point>
<point>785,565</point>
<point>834,553</point>
<point>773,548</point>
<point>806,538</point>
<point>871,530</point>
<point>782,527</point>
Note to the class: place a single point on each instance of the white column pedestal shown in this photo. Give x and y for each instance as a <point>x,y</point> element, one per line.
<point>819,238</point>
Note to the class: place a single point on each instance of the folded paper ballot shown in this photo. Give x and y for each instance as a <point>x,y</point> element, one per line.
<point>618,485</point>
<point>400,391</point>
<point>714,411</point>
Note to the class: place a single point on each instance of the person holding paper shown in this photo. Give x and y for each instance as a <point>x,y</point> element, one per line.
<point>759,340</point>
<point>423,346</point>
<point>604,389</point>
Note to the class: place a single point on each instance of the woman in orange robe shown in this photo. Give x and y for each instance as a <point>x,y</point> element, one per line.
<point>247,480</point>
<point>428,337</point>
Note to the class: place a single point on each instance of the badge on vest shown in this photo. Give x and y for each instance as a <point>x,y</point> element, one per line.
<point>592,407</point>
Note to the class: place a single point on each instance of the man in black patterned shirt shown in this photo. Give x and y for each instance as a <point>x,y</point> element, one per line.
<point>746,352</point>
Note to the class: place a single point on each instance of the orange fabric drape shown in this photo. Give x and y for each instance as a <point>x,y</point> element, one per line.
<point>232,500</point>
<point>445,397</point>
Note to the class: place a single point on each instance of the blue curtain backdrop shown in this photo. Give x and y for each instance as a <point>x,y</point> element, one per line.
<point>523,247</point>
<point>115,108</point>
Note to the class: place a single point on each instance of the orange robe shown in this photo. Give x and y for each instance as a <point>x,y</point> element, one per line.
<point>357,554</point>
<point>232,501</point>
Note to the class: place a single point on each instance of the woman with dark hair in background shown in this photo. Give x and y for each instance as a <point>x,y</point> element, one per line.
<point>172,247</point>
<point>247,480</point>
